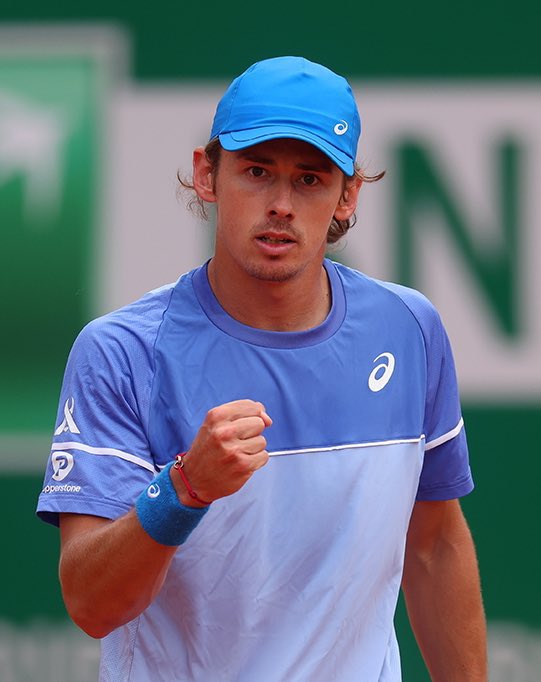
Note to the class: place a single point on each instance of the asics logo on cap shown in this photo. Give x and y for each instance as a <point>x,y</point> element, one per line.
<point>341,128</point>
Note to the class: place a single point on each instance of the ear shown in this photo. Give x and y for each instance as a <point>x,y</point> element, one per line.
<point>203,177</point>
<point>348,201</point>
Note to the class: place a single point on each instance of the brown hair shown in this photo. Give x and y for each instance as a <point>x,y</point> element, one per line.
<point>337,228</point>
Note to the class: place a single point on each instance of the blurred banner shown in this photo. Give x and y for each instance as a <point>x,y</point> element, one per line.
<point>90,218</point>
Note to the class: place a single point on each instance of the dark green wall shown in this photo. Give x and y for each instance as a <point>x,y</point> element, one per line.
<point>368,39</point>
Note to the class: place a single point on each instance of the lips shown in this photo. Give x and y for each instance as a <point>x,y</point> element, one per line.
<point>275,244</point>
<point>275,238</point>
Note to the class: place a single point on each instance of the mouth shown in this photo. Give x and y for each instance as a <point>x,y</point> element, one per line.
<point>275,244</point>
<point>275,240</point>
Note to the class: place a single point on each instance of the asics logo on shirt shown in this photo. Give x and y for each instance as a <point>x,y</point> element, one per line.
<point>68,423</point>
<point>341,127</point>
<point>62,464</point>
<point>382,373</point>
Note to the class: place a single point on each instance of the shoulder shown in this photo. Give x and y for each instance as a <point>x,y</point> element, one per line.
<point>399,303</point>
<point>125,333</point>
<point>418,305</point>
<point>427,317</point>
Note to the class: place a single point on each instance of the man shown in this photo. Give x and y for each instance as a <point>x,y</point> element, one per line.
<point>317,418</point>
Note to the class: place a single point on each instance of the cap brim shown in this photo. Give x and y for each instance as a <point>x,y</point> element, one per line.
<point>246,138</point>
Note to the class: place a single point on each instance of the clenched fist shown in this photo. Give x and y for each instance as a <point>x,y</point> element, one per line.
<point>226,451</point>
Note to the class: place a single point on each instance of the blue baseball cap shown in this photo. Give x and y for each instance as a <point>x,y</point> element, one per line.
<point>290,97</point>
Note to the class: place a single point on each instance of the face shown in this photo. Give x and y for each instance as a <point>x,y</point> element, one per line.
<point>275,202</point>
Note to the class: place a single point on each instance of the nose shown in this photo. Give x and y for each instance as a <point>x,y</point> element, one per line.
<point>281,201</point>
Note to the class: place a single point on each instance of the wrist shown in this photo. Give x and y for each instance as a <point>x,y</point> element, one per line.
<point>162,515</point>
<point>186,493</point>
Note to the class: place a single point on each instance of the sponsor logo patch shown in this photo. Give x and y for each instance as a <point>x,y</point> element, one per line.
<point>62,464</point>
<point>62,489</point>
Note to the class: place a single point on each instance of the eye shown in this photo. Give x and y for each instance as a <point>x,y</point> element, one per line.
<point>256,171</point>
<point>309,180</point>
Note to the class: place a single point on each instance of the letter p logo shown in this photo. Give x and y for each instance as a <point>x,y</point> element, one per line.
<point>62,464</point>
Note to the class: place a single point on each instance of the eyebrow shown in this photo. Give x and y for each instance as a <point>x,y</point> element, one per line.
<point>323,166</point>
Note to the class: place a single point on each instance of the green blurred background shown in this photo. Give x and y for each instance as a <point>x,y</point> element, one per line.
<point>51,273</point>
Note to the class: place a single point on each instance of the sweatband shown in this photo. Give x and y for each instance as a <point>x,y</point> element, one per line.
<point>161,513</point>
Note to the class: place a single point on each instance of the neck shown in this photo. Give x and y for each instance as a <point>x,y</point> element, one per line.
<point>296,304</point>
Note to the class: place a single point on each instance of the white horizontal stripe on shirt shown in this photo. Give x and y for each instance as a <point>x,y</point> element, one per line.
<point>349,446</point>
<point>446,436</point>
<point>111,452</point>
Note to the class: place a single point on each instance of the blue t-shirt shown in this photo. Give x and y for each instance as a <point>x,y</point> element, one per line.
<point>295,577</point>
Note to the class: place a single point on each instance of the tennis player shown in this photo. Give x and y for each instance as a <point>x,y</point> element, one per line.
<point>249,463</point>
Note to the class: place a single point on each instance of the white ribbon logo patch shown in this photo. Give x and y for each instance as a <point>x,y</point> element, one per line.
<point>68,423</point>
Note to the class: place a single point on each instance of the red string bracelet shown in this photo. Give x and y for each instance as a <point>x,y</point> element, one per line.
<point>179,466</point>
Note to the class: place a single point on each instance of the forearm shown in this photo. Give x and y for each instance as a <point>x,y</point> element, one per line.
<point>443,597</point>
<point>109,571</point>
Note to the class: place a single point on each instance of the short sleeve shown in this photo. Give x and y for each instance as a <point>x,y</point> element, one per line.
<point>446,471</point>
<point>100,457</point>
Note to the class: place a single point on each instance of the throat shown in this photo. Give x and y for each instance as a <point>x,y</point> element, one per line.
<point>282,306</point>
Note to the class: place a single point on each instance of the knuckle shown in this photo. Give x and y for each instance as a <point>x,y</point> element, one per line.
<point>244,468</point>
<point>213,416</point>
<point>218,433</point>
<point>233,454</point>
<point>224,432</point>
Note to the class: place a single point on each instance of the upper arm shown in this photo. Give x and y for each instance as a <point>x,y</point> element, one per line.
<point>74,525</point>
<point>434,525</point>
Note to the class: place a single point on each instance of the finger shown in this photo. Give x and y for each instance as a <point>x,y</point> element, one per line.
<point>263,414</point>
<point>231,433</point>
<point>237,409</point>
<point>247,427</point>
<point>259,460</point>
<point>253,446</point>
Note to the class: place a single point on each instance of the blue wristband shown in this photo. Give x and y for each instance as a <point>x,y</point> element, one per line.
<point>161,513</point>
